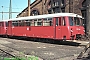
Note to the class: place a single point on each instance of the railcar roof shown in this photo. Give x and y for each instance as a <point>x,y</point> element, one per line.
<point>44,16</point>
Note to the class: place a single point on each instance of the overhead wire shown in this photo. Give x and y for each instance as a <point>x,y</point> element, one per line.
<point>12,8</point>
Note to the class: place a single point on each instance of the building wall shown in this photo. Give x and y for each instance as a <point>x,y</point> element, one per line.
<point>38,7</point>
<point>67,6</point>
<point>72,6</point>
<point>41,6</point>
<point>76,7</point>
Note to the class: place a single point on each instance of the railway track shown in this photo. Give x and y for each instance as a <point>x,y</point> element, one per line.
<point>4,55</point>
<point>8,53</point>
<point>11,53</point>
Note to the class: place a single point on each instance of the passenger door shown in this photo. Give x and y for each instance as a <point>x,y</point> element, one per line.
<point>58,27</point>
<point>9,29</point>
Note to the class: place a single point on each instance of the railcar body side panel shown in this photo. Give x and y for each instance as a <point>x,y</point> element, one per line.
<point>2,28</point>
<point>81,30</point>
<point>41,32</point>
<point>58,32</point>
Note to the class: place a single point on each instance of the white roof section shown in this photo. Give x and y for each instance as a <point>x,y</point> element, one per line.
<point>44,16</point>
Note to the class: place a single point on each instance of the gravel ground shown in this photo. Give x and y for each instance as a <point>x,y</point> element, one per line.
<point>3,54</point>
<point>45,51</point>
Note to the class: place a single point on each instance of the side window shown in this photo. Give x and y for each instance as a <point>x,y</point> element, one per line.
<point>32,22</point>
<point>14,23</point>
<point>6,24</point>
<point>47,22</point>
<point>28,22</point>
<point>39,22</point>
<point>63,21</point>
<point>35,22</point>
<point>20,23</point>
<point>60,21</point>
<point>57,21</point>
<point>50,21</point>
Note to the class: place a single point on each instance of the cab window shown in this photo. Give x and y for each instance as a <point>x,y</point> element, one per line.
<point>63,21</point>
<point>77,21</point>
<point>71,23</point>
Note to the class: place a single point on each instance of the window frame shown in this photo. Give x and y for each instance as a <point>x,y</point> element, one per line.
<point>15,23</point>
<point>48,21</point>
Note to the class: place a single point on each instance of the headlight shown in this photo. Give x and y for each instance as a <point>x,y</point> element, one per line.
<point>83,30</point>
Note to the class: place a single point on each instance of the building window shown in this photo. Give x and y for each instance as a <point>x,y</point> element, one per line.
<point>56,10</point>
<point>49,11</point>
<point>34,12</point>
<point>62,2</point>
<point>84,3</point>
<point>55,6</point>
<point>56,3</point>
<point>63,9</point>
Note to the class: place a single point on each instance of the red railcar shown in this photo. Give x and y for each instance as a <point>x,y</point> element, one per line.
<point>3,27</point>
<point>54,26</point>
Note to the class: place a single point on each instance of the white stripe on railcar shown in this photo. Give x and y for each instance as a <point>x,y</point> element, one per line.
<point>44,16</point>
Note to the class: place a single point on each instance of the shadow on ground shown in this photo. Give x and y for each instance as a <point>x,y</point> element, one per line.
<point>48,41</point>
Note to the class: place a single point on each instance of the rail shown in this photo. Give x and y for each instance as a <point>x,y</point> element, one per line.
<point>7,53</point>
<point>12,57</point>
<point>83,51</point>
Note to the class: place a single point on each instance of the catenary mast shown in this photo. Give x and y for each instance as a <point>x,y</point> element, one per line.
<point>28,7</point>
<point>10,10</point>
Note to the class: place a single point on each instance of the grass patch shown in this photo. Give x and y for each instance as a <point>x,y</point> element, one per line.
<point>19,58</point>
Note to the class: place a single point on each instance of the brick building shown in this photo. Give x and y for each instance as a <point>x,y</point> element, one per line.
<point>39,7</point>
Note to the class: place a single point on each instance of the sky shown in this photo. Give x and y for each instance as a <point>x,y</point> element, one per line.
<point>17,6</point>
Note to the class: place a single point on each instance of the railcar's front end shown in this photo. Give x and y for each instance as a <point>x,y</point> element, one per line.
<point>76,27</point>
